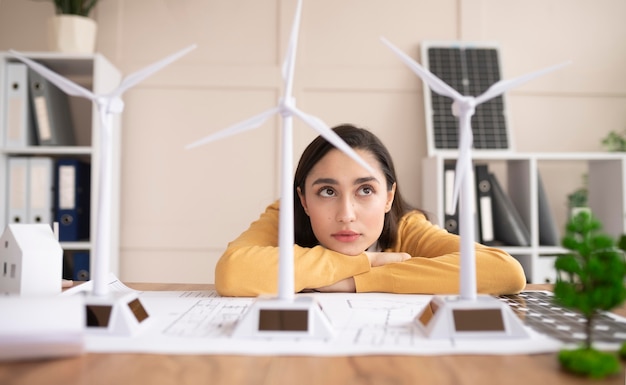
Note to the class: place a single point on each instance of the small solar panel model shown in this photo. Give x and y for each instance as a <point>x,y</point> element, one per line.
<point>469,68</point>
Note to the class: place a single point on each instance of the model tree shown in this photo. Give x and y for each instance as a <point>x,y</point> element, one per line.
<point>590,279</point>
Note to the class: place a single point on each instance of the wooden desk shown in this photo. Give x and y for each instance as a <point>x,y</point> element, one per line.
<point>152,369</point>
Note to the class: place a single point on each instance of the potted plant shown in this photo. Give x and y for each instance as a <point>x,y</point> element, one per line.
<point>615,141</point>
<point>71,30</point>
<point>75,7</point>
<point>578,200</point>
<point>590,278</point>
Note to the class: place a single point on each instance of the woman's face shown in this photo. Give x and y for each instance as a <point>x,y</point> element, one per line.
<point>345,202</point>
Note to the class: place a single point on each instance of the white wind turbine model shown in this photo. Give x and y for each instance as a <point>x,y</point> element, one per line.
<point>285,316</point>
<point>467,315</point>
<point>107,312</point>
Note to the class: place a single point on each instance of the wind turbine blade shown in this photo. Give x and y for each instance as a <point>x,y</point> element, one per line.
<point>504,85</point>
<point>328,134</point>
<point>237,128</point>
<point>68,86</point>
<point>290,57</point>
<point>435,84</point>
<point>286,62</point>
<point>140,75</point>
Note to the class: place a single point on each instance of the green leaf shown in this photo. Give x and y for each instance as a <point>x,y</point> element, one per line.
<point>602,241</point>
<point>567,263</point>
<point>621,244</point>
<point>589,362</point>
<point>75,7</point>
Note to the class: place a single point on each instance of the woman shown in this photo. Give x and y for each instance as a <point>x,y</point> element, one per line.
<point>355,233</point>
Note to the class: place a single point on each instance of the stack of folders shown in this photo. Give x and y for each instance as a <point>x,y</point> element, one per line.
<point>451,217</point>
<point>44,190</point>
<point>30,190</point>
<point>484,200</point>
<point>549,234</point>
<point>76,265</point>
<point>38,112</point>
<point>498,221</point>
<point>508,225</point>
<point>19,130</point>
<point>73,199</point>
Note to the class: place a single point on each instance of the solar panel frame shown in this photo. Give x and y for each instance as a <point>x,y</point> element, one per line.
<point>470,68</point>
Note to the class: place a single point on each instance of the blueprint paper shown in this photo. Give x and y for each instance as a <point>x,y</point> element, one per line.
<point>201,322</point>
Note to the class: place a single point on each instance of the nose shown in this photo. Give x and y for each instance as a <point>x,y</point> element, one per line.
<point>346,211</point>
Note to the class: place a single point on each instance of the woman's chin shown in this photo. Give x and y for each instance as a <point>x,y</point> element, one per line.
<point>349,250</point>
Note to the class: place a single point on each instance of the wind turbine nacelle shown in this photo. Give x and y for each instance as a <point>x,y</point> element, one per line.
<point>114,105</point>
<point>463,107</point>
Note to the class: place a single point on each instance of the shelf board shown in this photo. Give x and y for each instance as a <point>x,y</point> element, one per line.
<point>540,250</point>
<point>510,156</point>
<point>551,251</point>
<point>48,150</point>
<point>62,63</point>
<point>516,250</point>
<point>81,245</point>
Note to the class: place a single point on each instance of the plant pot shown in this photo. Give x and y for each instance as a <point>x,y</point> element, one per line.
<point>72,34</point>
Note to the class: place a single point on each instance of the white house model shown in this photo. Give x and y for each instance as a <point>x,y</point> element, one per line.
<point>31,260</point>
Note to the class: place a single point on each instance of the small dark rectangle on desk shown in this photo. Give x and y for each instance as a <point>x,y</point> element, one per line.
<point>283,320</point>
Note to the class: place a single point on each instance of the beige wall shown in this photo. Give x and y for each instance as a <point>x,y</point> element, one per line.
<point>180,208</point>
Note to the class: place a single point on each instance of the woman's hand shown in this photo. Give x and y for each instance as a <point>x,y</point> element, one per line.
<point>383,258</point>
<point>376,259</point>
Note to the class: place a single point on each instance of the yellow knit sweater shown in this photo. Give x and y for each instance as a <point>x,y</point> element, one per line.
<point>249,266</point>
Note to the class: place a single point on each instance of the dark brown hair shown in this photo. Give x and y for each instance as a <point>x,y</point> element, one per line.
<point>357,138</point>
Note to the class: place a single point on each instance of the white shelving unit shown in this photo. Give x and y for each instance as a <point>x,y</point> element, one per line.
<point>92,71</point>
<point>606,173</point>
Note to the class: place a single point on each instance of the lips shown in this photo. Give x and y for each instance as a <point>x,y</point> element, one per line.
<point>346,236</point>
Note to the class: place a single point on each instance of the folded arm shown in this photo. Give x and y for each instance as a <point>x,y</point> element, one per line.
<point>249,266</point>
<point>435,264</point>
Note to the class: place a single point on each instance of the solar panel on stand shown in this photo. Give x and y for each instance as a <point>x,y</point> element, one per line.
<point>469,68</point>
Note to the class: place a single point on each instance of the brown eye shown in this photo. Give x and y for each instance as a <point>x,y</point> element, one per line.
<point>366,190</point>
<point>326,192</point>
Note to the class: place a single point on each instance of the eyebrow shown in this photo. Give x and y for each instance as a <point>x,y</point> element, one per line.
<point>332,181</point>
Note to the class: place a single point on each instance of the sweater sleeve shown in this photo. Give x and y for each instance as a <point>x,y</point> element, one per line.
<point>434,266</point>
<point>249,266</point>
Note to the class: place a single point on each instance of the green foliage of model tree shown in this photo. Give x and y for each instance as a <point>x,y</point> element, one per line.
<point>589,279</point>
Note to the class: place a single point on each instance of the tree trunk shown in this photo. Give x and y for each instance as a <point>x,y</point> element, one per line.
<point>588,330</point>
